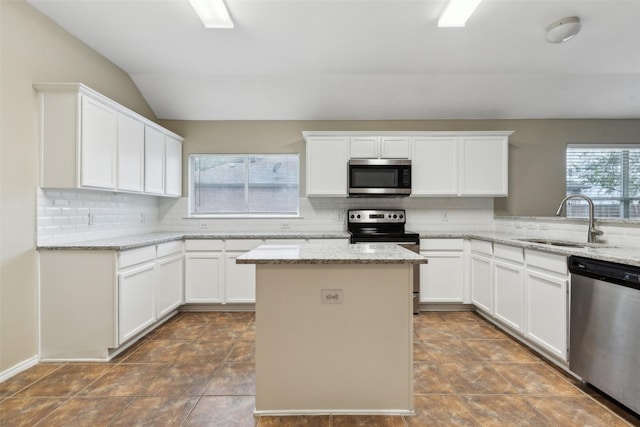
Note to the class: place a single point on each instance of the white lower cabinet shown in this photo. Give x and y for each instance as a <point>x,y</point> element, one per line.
<point>204,271</point>
<point>482,275</point>
<point>240,279</point>
<point>442,279</point>
<point>136,303</point>
<point>508,277</point>
<point>95,301</point>
<point>547,302</point>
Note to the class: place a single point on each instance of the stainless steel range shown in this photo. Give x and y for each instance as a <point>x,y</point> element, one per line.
<point>385,226</point>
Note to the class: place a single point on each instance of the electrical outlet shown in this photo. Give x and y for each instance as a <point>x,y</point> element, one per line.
<point>285,225</point>
<point>143,217</point>
<point>91,217</point>
<point>331,296</point>
<point>204,226</point>
<point>444,216</point>
<point>340,216</point>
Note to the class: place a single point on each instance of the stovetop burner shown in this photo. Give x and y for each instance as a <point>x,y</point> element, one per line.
<point>378,225</point>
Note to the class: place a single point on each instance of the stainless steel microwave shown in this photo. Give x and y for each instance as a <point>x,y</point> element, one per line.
<point>379,177</point>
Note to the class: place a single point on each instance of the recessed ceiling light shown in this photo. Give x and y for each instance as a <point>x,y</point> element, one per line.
<point>457,12</point>
<point>563,29</point>
<point>212,13</point>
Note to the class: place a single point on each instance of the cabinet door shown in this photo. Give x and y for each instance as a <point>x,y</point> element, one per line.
<point>434,170</point>
<point>364,147</point>
<point>481,282</point>
<point>99,139</point>
<point>169,284</point>
<point>173,166</point>
<point>204,277</point>
<point>240,280</point>
<point>153,161</point>
<point>130,154</point>
<point>547,311</point>
<point>136,304</point>
<point>327,166</point>
<point>394,147</point>
<point>509,293</point>
<point>484,166</point>
<point>442,279</point>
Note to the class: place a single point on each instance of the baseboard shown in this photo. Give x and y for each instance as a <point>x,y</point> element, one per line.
<point>16,369</point>
<point>217,307</point>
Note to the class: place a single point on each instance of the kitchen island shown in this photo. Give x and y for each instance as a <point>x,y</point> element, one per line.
<point>333,328</point>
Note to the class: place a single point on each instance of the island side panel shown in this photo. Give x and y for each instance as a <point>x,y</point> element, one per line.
<point>354,357</point>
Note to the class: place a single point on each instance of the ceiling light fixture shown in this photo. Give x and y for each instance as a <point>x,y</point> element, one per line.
<point>212,13</point>
<point>563,29</point>
<point>457,12</point>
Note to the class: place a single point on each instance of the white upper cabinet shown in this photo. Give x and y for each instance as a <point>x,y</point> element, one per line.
<point>484,165</point>
<point>130,154</point>
<point>434,166</point>
<point>327,158</point>
<point>90,141</point>
<point>99,144</point>
<point>153,161</point>
<point>173,166</point>
<point>379,147</point>
<point>463,164</point>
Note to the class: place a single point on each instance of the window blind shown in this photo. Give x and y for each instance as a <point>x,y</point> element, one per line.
<point>608,174</point>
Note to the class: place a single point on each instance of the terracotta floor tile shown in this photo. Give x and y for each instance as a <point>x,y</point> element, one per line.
<point>237,317</point>
<point>205,351</point>
<point>475,378</point>
<point>235,379</point>
<point>427,378</point>
<point>249,333</point>
<point>87,411</point>
<point>157,351</point>
<point>66,381</point>
<point>443,350</point>
<point>243,352</point>
<point>366,421</point>
<point>293,421</point>
<point>182,380</point>
<point>26,378</point>
<point>225,331</point>
<point>535,378</point>
<point>431,331</point>
<point>427,317</point>
<point>459,316</point>
<point>477,330</point>
<point>181,331</point>
<point>440,411</point>
<point>505,411</point>
<point>223,411</point>
<point>569,411</point>
<point>155,411</point>
<point>124,380</point>
<point>26,412</point>
<point>500,351</point>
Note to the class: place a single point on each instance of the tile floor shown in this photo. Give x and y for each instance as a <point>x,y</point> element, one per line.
<point>198,370</point>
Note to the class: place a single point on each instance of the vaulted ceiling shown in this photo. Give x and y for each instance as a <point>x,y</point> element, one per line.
<point>367,59</point>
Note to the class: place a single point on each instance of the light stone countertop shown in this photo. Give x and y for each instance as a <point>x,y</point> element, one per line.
<point>604,252</point>
<point>331,253</point>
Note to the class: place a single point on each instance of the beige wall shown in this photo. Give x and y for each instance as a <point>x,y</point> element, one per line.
<point>34,49</point>
<point>536,150</point>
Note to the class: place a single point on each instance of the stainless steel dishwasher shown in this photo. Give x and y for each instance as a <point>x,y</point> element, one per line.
<point>604,331</point>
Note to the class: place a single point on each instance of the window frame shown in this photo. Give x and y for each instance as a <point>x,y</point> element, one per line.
<point>240,215</point>
<point>625,200</point>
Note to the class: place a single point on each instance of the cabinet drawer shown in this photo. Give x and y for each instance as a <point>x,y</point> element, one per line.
<point>204,245</point>
<point>482,247</point>
<point>136,256</point>
<point>441,244</point>
<point>546,261</point>
<point>242,244</point>
<point>510,253</point>
<point>169,248</point>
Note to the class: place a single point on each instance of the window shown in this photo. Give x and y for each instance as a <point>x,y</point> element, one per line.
<point>610,175</point>
<point>244,185</point>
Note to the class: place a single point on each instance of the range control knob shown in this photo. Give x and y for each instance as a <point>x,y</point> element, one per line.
<point>395,216</point>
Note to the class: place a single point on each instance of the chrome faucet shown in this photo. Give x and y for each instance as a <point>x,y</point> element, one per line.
<point>592,232</point>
